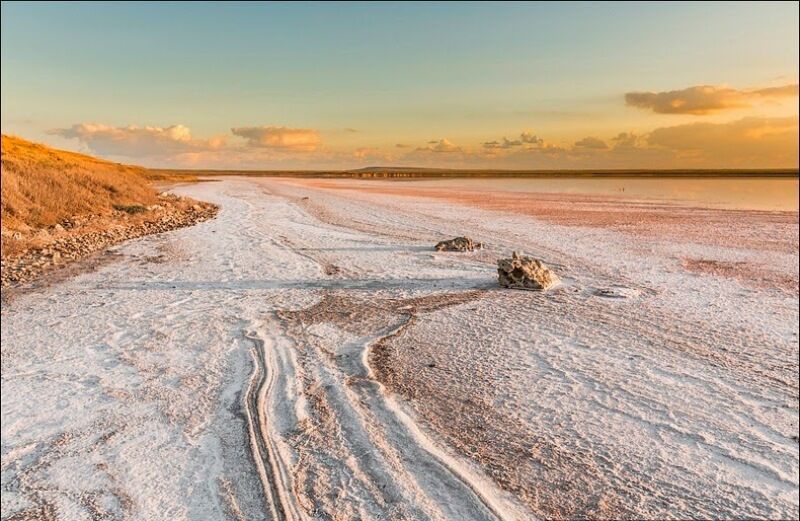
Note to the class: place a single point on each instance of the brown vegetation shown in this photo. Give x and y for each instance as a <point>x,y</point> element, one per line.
<point>42,186</point>
<point>59,206</point>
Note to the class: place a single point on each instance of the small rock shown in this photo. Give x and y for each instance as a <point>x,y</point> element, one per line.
<point>520,272</point>
<point>458,244</point>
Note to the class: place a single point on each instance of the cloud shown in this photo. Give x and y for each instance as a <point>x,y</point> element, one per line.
<point>701,100</point>
<point>752,142</point>
<point>440,146</point>
<point>351,130</point>
<point>504,145</point>
<point>281,138</point>
<point>625,140</point>
<point>784,91</point>
<point>135,141</point>
<point>525,138</point>
<point>591,143</point>
<point>364,152</point>
<point>528,138</point>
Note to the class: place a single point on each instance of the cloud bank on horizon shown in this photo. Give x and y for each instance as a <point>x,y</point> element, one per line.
<point>749,142</point>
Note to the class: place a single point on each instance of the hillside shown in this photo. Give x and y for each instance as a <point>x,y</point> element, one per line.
<point>42,186</point>
<point>59,207</point>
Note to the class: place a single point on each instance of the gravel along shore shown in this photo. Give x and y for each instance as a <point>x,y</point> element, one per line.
<point>29,255</point>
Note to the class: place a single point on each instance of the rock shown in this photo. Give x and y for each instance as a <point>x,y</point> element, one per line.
<point>58,250</point>
<point>520,272</point>
<point>155,208</point>
<point>458,244</point>
<point>58,228</point>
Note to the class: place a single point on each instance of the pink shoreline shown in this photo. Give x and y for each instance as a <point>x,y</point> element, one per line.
<point>770,231</point>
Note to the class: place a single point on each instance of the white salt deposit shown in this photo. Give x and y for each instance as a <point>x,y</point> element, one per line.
<point>300,358</point>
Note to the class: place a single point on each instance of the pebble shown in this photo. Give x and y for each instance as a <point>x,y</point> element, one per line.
<point>32,263</point>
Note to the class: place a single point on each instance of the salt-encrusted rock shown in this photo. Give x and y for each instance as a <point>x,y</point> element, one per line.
<point>521,272</point>
<point>458,244</point>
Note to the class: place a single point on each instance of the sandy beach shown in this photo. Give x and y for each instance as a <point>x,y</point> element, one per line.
<point>307,355</point>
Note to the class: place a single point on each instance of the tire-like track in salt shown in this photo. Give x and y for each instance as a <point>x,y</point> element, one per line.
<point>305,355</point>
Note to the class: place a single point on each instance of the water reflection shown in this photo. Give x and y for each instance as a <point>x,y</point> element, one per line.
<point>743,193</point>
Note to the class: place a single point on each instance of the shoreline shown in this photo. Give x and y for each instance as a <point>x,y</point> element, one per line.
<point>419,174</point>
<point>48,252</point>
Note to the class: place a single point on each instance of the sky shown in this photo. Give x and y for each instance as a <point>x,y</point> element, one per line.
<point>458,85</point>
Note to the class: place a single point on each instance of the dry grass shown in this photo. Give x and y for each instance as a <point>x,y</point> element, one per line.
<point>42,186</point>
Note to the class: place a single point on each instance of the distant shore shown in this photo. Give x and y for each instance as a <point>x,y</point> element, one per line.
<point>401,173</point>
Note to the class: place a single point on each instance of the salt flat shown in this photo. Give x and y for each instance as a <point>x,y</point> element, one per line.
<point>307,355</point>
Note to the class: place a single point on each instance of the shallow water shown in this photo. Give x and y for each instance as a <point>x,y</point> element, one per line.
<point>744,194</point>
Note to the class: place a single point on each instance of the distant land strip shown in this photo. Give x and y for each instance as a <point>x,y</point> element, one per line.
<point>401,173</point>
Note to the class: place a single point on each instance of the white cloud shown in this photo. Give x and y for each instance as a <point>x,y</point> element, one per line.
<point>135,141</point>
<point>706,99</point>
<point>284,138</point>
<point>440,146</point>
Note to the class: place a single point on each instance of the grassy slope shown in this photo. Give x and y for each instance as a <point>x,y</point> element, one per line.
<point>42,186</point>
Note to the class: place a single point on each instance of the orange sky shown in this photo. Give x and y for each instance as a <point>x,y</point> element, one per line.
<point>483,85</point>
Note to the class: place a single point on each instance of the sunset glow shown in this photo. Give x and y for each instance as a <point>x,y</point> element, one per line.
<point>273,86</point>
